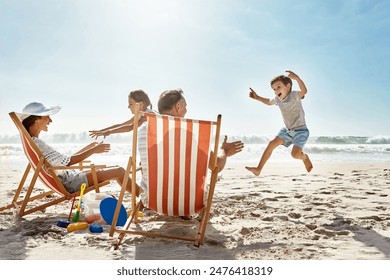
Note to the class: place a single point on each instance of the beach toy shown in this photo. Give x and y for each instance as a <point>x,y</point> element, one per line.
<point>91,204</point>
<point>76,217</point>
<point>96,228</point>
<point>77,226</point>
<point>140,214</point>
<point>63,223</point>
<point>107,210</point>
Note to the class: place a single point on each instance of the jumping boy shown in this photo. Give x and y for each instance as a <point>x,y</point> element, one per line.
<point>290,105</point>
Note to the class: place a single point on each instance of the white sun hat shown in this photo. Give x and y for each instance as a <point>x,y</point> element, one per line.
<point>37,109</point>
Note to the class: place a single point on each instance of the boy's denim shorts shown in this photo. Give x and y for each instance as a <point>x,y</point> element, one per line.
<point>298,136</point>
<point>73,181</point>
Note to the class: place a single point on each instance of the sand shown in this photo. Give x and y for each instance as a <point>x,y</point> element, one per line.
<point>339,211</point>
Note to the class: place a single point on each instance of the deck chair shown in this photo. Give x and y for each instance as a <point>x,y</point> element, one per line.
<point>43,170</point>
<point>178,159</point>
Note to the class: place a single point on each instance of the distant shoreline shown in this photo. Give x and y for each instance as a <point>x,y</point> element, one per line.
<point>83,137</point>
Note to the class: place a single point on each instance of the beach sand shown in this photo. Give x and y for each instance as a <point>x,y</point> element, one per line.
<point>339,211</point>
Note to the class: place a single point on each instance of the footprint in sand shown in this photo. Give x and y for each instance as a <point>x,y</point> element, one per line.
<point>294,215</point>
<point>311,226</point>
<point>370,193</point>
<point>238,197</point>
<point>267,219</point>
<point>325,192</point>
<point>281,197</point>
<point>356,171</point>
<point>330,233</point>
<point>265,191</point>
<point>335,178</point>
<point>269,199</point>
<point>375,218</point>
<point>254,194</point>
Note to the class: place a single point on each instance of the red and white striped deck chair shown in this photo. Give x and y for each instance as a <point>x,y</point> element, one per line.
<point>178,164</point>
<point>43,170</point>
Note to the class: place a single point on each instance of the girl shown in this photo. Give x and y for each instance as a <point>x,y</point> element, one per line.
<point>135,96</point>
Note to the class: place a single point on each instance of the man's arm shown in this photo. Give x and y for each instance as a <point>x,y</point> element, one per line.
<point>227,149</point>
<point>301,84</point>
<point>266,101</point>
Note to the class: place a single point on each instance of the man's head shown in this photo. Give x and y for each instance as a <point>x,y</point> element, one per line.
<point>282,86</point>
<point>172,102</point>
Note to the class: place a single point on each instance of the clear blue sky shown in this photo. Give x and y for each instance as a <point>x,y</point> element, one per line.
<point>87,55</point>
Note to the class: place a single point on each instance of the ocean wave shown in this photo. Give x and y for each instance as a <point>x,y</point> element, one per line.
<point>383,149</point>
<point>12,155</point>
<point>378,140</point>
<point>340,140</point>
<point>82,138</point>
<point>350,140</point>
<point>10,149</point>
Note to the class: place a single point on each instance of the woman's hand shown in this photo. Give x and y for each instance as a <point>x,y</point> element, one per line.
<point>101,148</point>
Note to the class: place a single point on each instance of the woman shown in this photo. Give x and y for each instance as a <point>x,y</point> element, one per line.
<point>36,118</point>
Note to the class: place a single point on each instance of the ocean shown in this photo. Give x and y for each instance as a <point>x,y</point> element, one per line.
<point>320,149</point>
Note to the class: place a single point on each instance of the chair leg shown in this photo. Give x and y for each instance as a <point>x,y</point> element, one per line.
<point>206,213</point>
<point>134,215</point>
<point>20,187</point>
<point>120,198</point>
<point>71,208</point>
<point>14,202</point>
<point>95,179</point>
<point>31,187</point>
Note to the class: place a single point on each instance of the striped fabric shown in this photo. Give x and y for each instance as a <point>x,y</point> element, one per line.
<point>178,158</point>
<point>33,158</point>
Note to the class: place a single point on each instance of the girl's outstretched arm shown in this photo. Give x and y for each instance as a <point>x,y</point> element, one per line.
<point>121,129</point>
<point>96,133</point>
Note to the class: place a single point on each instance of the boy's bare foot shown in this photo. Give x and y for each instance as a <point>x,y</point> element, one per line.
<point>308,164</point>
<point>253,170</point>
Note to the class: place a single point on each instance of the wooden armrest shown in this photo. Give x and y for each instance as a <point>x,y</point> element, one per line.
<point>82,167</point>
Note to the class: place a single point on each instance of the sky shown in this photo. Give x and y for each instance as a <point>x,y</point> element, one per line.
<point>88,55</point>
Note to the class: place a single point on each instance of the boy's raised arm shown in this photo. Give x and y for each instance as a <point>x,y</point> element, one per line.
<point>253,94</point>
<point>301,84</point>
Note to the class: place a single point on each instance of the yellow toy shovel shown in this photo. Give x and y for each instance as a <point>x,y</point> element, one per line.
<point>77,215</point>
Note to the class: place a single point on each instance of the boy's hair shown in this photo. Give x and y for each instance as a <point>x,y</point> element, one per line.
<point>140,96</point>
<point>168,99</point>
<point>282,78</point>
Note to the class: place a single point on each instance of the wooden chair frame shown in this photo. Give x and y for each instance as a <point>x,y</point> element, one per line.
<point>43,170</point>
<point>133,218</point>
